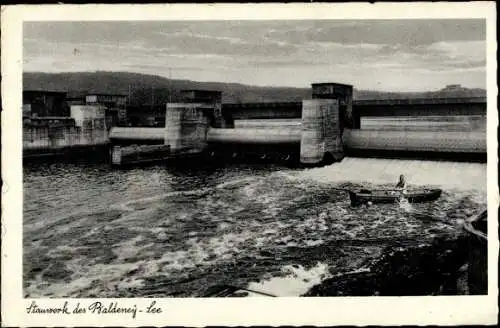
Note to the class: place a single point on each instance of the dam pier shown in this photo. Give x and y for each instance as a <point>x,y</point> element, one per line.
<point>317,131</point>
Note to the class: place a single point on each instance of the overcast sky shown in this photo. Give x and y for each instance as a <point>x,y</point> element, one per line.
<point>396,55</point>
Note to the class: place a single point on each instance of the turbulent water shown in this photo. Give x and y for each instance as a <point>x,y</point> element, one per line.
<point>156,231</point>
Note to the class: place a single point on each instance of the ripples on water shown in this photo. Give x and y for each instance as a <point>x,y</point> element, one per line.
<point>92,231</point>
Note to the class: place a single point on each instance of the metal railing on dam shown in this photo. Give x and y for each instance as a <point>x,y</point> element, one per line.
<point>420,101</point>
<point>370,107</point>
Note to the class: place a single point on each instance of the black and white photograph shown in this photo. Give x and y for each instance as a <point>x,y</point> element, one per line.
<point>266,158</point>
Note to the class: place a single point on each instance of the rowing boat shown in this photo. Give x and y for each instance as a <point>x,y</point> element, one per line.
<point>391,196</point>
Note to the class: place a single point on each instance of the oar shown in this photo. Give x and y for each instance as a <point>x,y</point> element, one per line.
<point>350,189</point>
<point>257,292</point>
<point>398,190</point>
<point>233,289</point>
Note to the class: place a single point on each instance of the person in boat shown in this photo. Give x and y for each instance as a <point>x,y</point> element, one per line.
<point>401,185</point>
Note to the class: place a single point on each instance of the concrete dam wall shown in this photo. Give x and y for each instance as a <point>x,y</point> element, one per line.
<point>84,129</point>
<point>433,141</point>
<point>326,128</point>
<point>119,135</point>
<point>416,141</point>
<point>280,135</point>
<point>447,141</point>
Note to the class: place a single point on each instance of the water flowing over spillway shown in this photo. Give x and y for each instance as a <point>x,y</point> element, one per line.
<point>444,174</point>
<point>156,231</point>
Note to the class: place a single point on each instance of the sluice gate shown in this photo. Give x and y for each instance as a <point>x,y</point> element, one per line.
<point>255,136</point>
<point>380,139</point>
<point>133,135</point>
<point>326,128</point>
<point>430,141</point>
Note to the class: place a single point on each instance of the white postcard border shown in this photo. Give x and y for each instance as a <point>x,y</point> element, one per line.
<point>438,310</point>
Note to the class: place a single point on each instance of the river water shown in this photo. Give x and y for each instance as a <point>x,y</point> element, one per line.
<point>90,231</point>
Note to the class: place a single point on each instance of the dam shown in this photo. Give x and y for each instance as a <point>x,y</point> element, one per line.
<point>317,131</point>
<point>172,231</point>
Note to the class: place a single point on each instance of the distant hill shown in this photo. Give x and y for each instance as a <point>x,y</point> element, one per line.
<point>144,88</point>
<point>451,91</point>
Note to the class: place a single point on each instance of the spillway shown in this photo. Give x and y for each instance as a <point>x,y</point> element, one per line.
<point>446,174</point>
<point>425,123</point>
<point>317,131</point>
<point>428,141</point>
<point>136,135</point>
<point>255,136</point>
<point>268,123</point>
<point>289,132</point>
<point>323,129</point>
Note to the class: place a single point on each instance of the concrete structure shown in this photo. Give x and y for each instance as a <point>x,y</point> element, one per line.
<point>267,123</point>
<point>146,116</point>
<point>244,136</point>
<point>251,111</point>
<point>116,106</point>
<point>75,98</point>
<point>343,93</point>
<point>187,122</point>
<point>320,130</point>
<point>50,136</point>
<point>132,155</point>
<point>421,107</point>
<point>54,124</point>
<point>44,103</point>
<point>185,132</point>
<point>363,108</point>
<point>137,135</point>
<point>155,116</point>
<point>48,121</point>
<point>464,123</point>
<point>416,141</point>
<point>91,119</point>
<point>46,138</point>
<point>317,133</point>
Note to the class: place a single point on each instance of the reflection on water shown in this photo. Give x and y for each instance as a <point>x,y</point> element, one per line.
<point>156,231</point>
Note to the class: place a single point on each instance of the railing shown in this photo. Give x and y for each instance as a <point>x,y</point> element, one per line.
<point>420,101</point>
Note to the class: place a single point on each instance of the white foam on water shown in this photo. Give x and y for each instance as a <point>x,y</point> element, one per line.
<point>128,206</point>
<point>447,175</point>
<point>98,279</point>
<point>297,281</point>
<point>129,248</point>
<point>179,260</point>
<point>48,220</point>
<point>313,242</point>
<point>405,205</point>
<point>315,225</point>
<point>93,278</point>
<point>234,182</point>
<point>205,251</point>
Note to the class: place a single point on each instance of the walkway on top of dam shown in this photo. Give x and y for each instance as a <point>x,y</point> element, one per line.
<point>365,107</point>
